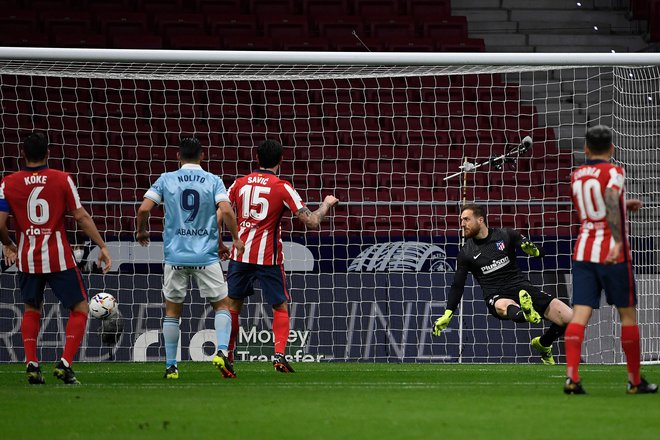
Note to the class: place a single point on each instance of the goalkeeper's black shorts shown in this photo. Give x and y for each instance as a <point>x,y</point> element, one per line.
<point>540,299</point>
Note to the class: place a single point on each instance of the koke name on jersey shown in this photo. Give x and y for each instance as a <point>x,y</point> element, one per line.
<point>35,179</point>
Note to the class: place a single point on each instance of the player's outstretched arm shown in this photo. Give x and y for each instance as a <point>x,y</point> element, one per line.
<point>454,296</point>
<point>9,250</point>
<point>87,225</point>
<point>229,219</point>
<point>142,220</point>
<point>314,219</point>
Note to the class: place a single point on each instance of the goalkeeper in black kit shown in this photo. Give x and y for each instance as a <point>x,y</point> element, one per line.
<point>490,254</point>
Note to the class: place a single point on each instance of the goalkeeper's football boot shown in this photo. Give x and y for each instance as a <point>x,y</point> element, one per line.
<point>34,375</point>
<point>643,387</point>
<point>571,387</point>
<point>172,372</point>
<point>222,363</point>
<point>545,352</point>
<point>281,364</point>
<point>527,307</point>
<point>65,374</point>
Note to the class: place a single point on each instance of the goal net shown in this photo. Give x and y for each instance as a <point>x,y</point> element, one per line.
<point>385,135</point>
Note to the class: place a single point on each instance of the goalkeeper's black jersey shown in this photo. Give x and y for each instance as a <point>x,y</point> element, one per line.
<point>492,261</point>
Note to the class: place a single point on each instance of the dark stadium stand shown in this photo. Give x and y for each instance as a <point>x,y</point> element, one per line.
<point>267,24</point>
<point>370,140</point>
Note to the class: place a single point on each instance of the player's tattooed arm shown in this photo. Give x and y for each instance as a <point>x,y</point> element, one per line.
<point>314,219</point>
<point>613,215</point>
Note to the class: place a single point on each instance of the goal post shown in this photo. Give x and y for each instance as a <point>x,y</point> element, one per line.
<point>382,131</point>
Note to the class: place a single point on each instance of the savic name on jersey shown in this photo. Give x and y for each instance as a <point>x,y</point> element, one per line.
<point>260,199</point>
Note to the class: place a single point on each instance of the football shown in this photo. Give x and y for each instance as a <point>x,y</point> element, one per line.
<point>102,306</point>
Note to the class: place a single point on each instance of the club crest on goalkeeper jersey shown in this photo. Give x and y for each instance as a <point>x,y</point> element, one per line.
<point>588,183</point>
<point>39,198</point>
<point>190,196</point>
<point>260,200</point>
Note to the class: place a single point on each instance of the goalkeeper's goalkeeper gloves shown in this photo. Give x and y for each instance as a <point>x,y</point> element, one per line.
<point>442,322</point>
<point>530,248</point>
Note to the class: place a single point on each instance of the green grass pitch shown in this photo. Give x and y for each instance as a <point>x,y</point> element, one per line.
<point>326,401</point>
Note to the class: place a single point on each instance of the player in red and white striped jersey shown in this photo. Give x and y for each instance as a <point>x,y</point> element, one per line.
<point>261,199</point>
<point>39,198</point>
<point>602,258</point>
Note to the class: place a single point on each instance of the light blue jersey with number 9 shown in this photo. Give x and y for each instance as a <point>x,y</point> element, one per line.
<point>190,196</point>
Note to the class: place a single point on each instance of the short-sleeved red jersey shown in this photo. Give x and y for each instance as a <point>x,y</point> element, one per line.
<point>589,183</point>
<point>260,200</point>
<point>39,198</point>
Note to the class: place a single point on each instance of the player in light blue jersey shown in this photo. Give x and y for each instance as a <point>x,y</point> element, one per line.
<point>195,202</point>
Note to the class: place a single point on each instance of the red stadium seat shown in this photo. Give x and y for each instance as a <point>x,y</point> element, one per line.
<point>218,6</point>
<point>137,41</point>
<point>340,26</point>
<point>232,25</point>
<point>310,44</point>
<point>250,43</point>
<point>322,8</point>
<point>269,7</point>
<point>157,6</point>
<point>25,39</point>
<point>371,8</point>
<point>284,26</point>
<point>58,21</point>
<point>18,21</point>
<point>122,22</point>
<point>425,9</point>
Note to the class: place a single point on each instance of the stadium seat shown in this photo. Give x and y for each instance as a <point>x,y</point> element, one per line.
<point>412,44</point>
<point>80,40</point>
<point>158,6</point>
<point>425,9</point>
<point>341,26</point>
<point>137,41</point>
<point>392,29</point>
<point>321,8</point>
<point>122,22</point>
<point>18,21</point>
<point>179,23</point>
<point>462,45</point>
<point>263,8</point>
<point>371,8</point>
<point>654,20</point>
<point>25,39</point>
<point>218,6</point>
<point>307,44</point>
<point>58,21</point>
<point>232,25</point>
<point>445,28</point>
<point>284,26</point>
<point>250,43</point>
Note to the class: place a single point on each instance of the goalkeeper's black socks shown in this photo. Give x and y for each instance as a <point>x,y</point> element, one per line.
<point>552,334</point>
<point>515,313</point>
